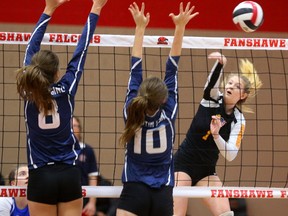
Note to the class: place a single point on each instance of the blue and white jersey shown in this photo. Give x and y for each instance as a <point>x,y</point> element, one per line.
<point>15,211</point>
<point>8,207</point>
<point>149,155</point>
<point>87,163</point>
<point>6,204</point>
<point>50,138</point>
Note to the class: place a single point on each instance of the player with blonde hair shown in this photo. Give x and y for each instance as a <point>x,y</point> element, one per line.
<point>218,126</point>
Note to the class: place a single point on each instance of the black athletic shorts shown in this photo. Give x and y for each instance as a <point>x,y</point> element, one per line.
<point>56,183</point>
<point>142,200</point>
<point>196,171</point>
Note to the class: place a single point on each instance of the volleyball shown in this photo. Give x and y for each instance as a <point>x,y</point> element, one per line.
<point>248,16</point>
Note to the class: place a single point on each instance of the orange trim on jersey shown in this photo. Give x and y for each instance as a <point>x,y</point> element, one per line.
<point>240,136</point>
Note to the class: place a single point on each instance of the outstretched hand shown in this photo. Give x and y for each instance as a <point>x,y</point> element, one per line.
<point>140,19</point>
<point>218,56</point>
<point>184,16</point>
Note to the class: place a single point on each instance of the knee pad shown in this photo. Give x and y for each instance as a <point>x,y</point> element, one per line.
<point>229,213</point>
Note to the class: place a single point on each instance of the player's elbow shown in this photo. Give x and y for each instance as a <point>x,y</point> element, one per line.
<point>231,155</point>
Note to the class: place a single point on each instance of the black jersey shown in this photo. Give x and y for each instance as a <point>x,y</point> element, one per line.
<point>199,145</point>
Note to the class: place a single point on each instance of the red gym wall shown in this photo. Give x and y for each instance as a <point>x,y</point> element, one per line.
<point>214,15</point>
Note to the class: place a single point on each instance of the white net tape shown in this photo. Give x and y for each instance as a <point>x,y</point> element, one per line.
<point>180,191</point>
<point>151,41</point>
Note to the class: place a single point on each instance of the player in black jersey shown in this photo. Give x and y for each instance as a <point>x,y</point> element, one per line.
<point>54,186</point>
<point>150,112</point>
<point>218,126</point>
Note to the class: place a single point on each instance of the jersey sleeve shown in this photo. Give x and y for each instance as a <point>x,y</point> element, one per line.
<point>211,89</point>
<point>6,204</point>
<point>171,81</point>
<point>76,65</point>
<point>36,38</point>
<point>135,80</point>
<point>229,149</point>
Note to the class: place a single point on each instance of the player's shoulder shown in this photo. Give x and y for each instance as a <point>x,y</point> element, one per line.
<point>239,115</point>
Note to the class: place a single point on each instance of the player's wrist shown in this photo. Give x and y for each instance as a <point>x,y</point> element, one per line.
<point>215,136</point>
<point>49,11</point>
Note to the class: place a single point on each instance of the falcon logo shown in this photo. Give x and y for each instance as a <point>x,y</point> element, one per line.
<point>162,40</point>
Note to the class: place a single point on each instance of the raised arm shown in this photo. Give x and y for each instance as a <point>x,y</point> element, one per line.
<point>211,89</point>
<point>141,20</point>
<point>40,29</point>
<point>97,6</point>
<point>180,21</point>
<point>76,65</point>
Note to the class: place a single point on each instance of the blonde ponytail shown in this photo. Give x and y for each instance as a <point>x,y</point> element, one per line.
<point>252,83</point>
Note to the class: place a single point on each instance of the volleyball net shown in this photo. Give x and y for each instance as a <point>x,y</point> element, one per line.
<point>260,169</point>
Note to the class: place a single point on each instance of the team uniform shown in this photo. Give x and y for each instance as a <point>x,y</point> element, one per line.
<point>148,174</point>
<point>199,152</point>
<point>52,148</point>
<point>8,207</point>
<point>87,164</point>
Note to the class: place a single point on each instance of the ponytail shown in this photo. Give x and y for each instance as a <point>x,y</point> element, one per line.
<point>136,116</point>
<point>152,94</point>
<point>34,80</point>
